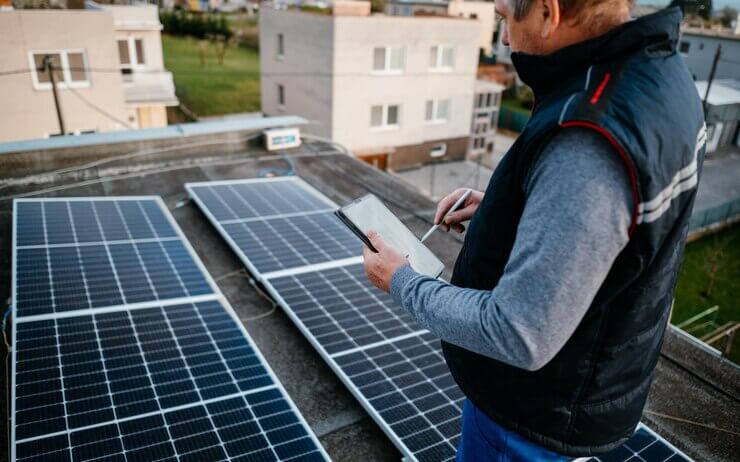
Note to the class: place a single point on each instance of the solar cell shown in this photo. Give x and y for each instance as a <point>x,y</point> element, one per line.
<point>408,386</point>
<point>230,200</point>
<point>258,426</point>
<point>340,309</point>
<point>644,445</point>
<point>281,243</point>
<point>159,369</point>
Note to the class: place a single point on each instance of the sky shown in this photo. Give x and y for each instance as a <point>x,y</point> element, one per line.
<point>717,4</point>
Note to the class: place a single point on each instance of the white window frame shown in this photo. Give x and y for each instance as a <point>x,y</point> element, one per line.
<point>436,119</point>
<point>384,119</point>
<point>438,66</point>
<point>66,74</point>
<point>387,61</point>
<point>133,57</point>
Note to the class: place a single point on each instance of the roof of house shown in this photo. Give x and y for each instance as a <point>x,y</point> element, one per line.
<point>721,93</point>
<point>694,398</point>
<point>714,33</point>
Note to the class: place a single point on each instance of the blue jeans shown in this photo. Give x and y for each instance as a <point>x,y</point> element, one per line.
<point>483,440</point>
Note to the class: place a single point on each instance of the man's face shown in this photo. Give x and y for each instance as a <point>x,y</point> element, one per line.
<point>524,35</point>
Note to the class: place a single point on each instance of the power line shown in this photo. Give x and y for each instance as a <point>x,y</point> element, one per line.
<point>378,74</point>
<point>98,109</point>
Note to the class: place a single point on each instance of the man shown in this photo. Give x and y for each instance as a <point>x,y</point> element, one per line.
<point>559,299</point>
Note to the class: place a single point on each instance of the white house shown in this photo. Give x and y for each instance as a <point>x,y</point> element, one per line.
<point>389,86</point>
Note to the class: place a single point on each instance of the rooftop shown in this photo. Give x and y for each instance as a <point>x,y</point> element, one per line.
<point>694,397</point>
<point>723,33</point>
<point>723,92</point>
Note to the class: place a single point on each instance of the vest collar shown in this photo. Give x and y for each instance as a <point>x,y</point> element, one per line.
<point>657,31</point>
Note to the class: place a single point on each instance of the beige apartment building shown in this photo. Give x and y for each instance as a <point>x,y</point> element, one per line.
<point>99,88</point>
<point>393,89</point>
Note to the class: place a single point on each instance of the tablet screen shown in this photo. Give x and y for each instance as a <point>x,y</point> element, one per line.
<point>369,213</point>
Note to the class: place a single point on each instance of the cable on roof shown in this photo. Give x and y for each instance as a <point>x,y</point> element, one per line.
<point>158,170</point>
<point>4,326</point>
<point>128,156</point>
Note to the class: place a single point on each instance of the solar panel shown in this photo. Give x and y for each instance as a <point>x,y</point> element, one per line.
<point>393,367</point>
<point>341,310</point>
<point>644,445</point>
<point>234,200</point>
<point>124,348</point>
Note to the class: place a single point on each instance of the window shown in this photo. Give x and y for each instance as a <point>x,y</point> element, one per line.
<point>130,56</point>
<point>684,47</point>
<point>480,100</point>
<point>70,69</point>
<point>385,116</point>
<point>389,59</point>
<point>139,51</point>
<point>442,57</point>
<point>281,95</point>
<point>437,111</point>
<point>280,46</point>
<point>489,99</point>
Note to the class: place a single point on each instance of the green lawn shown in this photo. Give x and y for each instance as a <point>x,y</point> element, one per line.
<point>213,89</point>
<point>694,281</point>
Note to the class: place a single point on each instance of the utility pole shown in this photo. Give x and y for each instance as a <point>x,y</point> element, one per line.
<point>49,67</point>
<point>711,77</point>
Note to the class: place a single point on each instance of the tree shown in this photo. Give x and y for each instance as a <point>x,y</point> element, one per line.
<point>702,8</point>
<point>726,15</point>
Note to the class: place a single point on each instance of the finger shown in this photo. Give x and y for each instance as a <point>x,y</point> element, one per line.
<point>458,227</point>
<point>375,239</point>
<point>445,204</point>
<point>444,226</point>
<point>459,216</point>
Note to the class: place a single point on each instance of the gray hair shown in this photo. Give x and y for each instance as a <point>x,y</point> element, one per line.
<point>521,7</point>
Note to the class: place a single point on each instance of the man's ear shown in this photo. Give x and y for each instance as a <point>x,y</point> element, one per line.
<point>550,11</point>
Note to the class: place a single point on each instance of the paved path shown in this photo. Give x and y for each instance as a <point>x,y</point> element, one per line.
<point>720,182</point>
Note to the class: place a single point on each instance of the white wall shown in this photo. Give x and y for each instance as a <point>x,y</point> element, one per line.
<point>305,69</point>
<point>486,17</point>
<point>28,112</point>
<point>356,88</point>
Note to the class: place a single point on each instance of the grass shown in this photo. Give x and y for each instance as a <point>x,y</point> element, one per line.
<point>719,252</point>
<point>212,88</point>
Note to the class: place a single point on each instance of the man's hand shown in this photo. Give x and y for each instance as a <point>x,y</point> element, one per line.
<point>379,267</point>
<point>464,213</point>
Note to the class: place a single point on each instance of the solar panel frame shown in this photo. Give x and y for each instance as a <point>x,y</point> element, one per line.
<point>216,296</point>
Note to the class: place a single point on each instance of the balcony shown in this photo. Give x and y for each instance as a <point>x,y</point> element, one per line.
<point>150,87</point>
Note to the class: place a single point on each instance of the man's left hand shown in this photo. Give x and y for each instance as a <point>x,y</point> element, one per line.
<point>379,267</point>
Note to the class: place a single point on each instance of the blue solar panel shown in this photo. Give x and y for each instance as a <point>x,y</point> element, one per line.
<point>282,243</point>
<point>258,426</point>
<point>234,200</point>
<point>104,368</point>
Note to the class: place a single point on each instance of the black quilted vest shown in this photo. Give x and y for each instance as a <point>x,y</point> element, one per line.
<point>631,87</point>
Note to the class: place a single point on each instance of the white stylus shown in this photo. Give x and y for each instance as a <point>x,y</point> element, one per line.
<point>454,207</point>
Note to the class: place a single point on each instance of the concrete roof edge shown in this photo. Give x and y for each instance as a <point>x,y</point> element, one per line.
<point>146,134</point>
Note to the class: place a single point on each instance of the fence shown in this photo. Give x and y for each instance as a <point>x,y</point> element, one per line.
<point>715,216</point>
<point>512,119</point>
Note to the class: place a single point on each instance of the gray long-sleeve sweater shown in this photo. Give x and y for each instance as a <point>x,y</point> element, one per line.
<point>575,223</point>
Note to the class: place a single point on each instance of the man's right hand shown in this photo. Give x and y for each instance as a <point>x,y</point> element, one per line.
<point>464,213</point>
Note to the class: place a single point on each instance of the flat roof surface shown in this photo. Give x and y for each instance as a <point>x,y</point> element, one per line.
<point>693,401</point>
<point>721,93</point>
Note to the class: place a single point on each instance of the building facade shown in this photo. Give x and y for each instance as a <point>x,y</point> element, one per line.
<point>83,48</point>
<point>148,87</point>
<point>390,86</point>
<point>486,108</point>
<point>698,48</point>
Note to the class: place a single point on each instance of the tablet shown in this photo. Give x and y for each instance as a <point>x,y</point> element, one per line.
<point>369,213</point>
